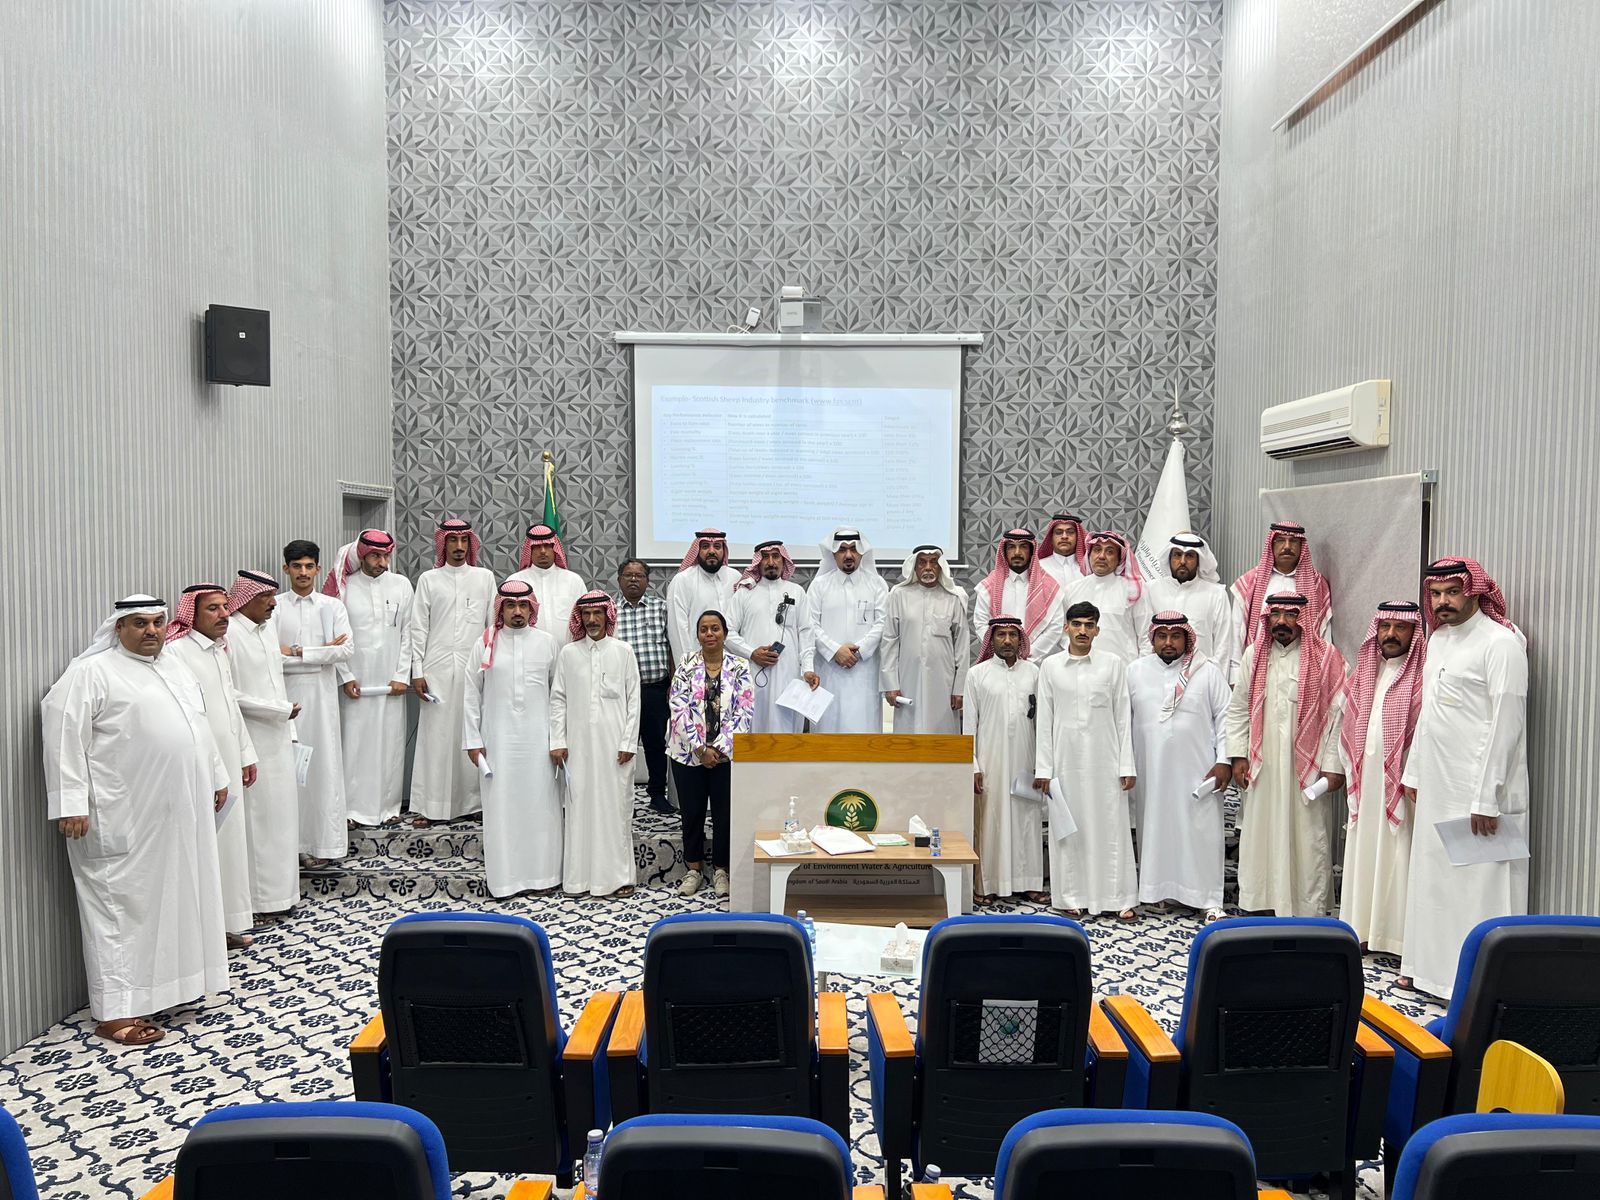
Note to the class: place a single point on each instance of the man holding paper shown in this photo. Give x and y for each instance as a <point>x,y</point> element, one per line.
<point>846,606</point>
<point>1469,763</point>
<point>1283,733</point>
<point>1085,749</point>
<point>1000,700</point>
<point>925,647</point>
<point>1179,697</point>
<point>506,734</point>
<point>769,622</point>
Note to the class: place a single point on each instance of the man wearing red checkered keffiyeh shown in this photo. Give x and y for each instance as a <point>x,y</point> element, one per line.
<point>1115,586</point>
<point>998,714</point>
<point>1064,548</point>
<point>542,564</point>
<point>704,583</point>
<point>1020,587</point>
<point>1285,567</point>
<point>1283,733</point>
<point>1468,764</point>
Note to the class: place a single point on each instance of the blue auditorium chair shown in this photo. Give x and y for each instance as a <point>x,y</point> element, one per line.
<point>1006,1027</point>
<point>1501,1156</point>
<point>469,1033</point>
<point>1531,980</point>
<point>16,1168</point>
<point>1124,1155</point>
<point>1270,1038</point>
<point>665,1156</point>
<point>729,1021</point>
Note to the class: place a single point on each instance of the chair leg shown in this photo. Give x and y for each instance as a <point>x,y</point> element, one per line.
<point>1345,1182</point>
<point>892,1187</point>
<point>1391,1160</point>
<point>564,1178</point>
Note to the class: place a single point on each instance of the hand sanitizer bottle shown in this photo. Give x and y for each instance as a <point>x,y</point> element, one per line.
<point>792,833</point>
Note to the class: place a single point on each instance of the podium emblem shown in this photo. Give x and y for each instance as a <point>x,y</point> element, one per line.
<point>853,810</point>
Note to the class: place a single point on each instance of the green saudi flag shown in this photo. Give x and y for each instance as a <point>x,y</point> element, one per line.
<point>552,516</point>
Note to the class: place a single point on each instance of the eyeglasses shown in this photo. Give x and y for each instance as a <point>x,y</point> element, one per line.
<point>783,606</point>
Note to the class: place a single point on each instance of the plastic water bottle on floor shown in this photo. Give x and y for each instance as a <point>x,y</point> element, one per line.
<point>935,844</point>
<point>931,1174</point>
<point>810,927</point>
<point>591,1163</point>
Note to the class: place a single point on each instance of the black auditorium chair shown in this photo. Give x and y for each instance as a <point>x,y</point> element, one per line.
<point>1006,1027</point>
<point>16,1168</point>
<point>1501,1156</point>
<point>469,1033</point>
<point>1532,980</point>
<point>729,1021</point>
<point>1270,1038</point>
<point>1123,1155</point>
<point>675,1156</point>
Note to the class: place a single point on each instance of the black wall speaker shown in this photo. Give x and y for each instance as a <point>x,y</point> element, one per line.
<point>238,345</point>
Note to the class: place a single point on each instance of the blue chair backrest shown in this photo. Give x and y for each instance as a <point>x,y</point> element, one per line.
<point>1535,981</point>
<point>1122,1155</point>
<point>667,1156</point>
<point>16,1168</point>
<point>1501,1156</point>
<point>325,1148</point>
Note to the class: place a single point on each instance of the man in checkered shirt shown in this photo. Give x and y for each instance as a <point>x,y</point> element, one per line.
<point>642,622</point>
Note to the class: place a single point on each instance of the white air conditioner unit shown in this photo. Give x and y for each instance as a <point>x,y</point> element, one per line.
<point>1347,418</point>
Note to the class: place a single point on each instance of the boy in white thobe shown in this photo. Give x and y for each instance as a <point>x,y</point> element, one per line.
<point>1115,588</point>
<point>594,727</point>
<point>1084,760</point>
<point>999,715</point>
<point>925,651</point>
<point>542,564</point>
<point>846,604</point>
<point>507,722</point>
<point>1063,549</point>
<point>769,609</point>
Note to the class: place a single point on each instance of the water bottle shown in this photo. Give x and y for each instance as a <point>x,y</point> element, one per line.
<point>791,826</point>
<point>591,1163</point>
<point>935,845</point>
<point>810,927</point>
<point>931,1174</point>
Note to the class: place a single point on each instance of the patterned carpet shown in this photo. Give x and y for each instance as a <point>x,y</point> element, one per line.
<point>105,1121</point>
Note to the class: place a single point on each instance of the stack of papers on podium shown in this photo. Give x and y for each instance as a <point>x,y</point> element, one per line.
<point>838,841</point>
<point>777,848</point>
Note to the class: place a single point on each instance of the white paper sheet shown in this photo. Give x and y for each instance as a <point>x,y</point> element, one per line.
<point>484,768</point>
<point>775,848</point>
<point>227,807</point>
<point>832,840</point>
<point>302,763</point>
<point>1463,847</point>
<point>430,698</point>
<point>373,691</point>
<point>1316,791</point>
<point>799,697</point>
<point>1062,826</point>
<point>1208,787</point>
<point>1022,789</point>
<point>902,702</point>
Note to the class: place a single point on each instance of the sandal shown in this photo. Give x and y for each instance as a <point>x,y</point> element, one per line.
<point>1128,916</point>
<point>240,941</point>
<point>1036,897</point>
<point>983,901</point>
<point>1075,914</point>
<point>134,1031</point>
<point>420,823</point>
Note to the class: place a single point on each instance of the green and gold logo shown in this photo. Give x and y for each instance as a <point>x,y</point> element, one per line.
<point>853,810</point>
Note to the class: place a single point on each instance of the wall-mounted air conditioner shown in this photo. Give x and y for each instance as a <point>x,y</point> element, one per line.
<point>1347,418</point>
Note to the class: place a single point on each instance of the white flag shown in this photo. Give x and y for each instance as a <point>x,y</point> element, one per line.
<point>1169,514</point>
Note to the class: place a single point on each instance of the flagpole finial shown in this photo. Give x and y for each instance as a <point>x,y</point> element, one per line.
<point>548,457</point>
<point>1177,425</point>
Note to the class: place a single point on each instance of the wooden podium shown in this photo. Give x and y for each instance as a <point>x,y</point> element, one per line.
<point>901,775</point>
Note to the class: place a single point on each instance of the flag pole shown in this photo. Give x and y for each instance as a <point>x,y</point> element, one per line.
<point>1177,425</point>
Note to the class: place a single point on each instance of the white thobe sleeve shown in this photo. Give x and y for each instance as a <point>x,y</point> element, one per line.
<point>1122,721</point>
<point>874,635</point>
<point>1330,759</point>
<point>1241,623</point>
<point>472,704</point>
<point>420,604</point>
<point>1226,651</point>
<point>678,617</point>
<point>630,706</point>
<point>1053,629</point>
<point>738,610</point>
<point>960,646</point>
<point>889,645</point>
<point>1506,667</point>
<point>807,631</point>
<point>247,746</point>
<point>263,706</point>
<point>1143,610</point>
<point>969,724</point>
<point>558,702</point>
<point>980,611</point>
<point>402,658</point>
<point>1219,700</point>
<point>1044,729</point>
<point>68,714</point>
<point>819,635</point>
<point>1238,718</point>
<point>337,655</point>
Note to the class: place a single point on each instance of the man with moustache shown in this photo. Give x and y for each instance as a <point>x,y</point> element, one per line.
<point>846,605</point>
<point>1001,697</point>
<point>1188,583</point>
<point>925,651</point>
<point>1285,567</point>
<point>768,624</point>
<point>542,564</point>
<point>642,621</point>
<point>704,582</point>
<point>1019,586</point>
<point>1115,587</point>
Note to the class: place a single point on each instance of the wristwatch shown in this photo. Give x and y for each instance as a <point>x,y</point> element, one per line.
<point>297,651</point>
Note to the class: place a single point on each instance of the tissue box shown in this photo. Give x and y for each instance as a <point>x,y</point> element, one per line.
<point>896,963</point>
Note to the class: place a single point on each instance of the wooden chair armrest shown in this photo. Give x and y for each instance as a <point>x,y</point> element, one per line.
<point>833,1025</point>
<point>1273,1194</point>
<point>530,1189</point>
<point>1141,1029</point>
<point>1402,1030</point>
<point>930,1191</point>
<point>161,1191</point>
<point>883,1011</point>
<point>583,1043</point>
<point>628,1031</point>
<point>867,1191</point>
<point>1104,1039</point>
<point>1369,1044</point>
<point>371,1039</point>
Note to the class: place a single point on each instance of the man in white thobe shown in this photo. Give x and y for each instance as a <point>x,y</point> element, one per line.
<point>134,781</point>
<point>1382,699</point>
<point>507,725</point>
<point>542,564</point>
<point>1019,586</point>
<point>272,803</point>
<point>704,583</point>
<point>1115,588</point>
<point>1179,699</point>
<point>377,677</point>
<point>1063,549</point>
<point>1001,695</point>
<point>1188,583</point>
<point>452,608</point>
<point>1084,761</point>
<point>847,605</point>
<point>1285,568</point>
<point>195,639</point>
<point>594,727</point>
<point>1283,732</point>
<point>316,635</point>
<point>768,624</point>
<point>925,651</point>
<point>1469,760</point>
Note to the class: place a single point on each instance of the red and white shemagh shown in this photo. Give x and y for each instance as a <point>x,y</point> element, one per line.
<point>591,600</point>
<point>456,525</point>
<point>1490,598</point>
<point>1128,568</point>
<point>1401,704</point>
<point>751,575</point>
<point>1047,543</point>
<point>1251,587</point>
<point>986,651</point>
<point>247,587</point>
<point>1192,658</point>
<point>703,538</point>
<point>1042,587</point>
<point>511,589</point>
<point>183,620</point>
<point>348,561</point>
<point>539,534</point>
<point>1321,680</point>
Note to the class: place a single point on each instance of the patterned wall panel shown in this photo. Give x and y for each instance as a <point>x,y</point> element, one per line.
<point>1040,171</point>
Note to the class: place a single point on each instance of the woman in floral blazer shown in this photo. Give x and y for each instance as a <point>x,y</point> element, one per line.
<point>712,699</point>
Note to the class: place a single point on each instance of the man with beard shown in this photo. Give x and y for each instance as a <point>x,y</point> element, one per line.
<point>925,648</point>
<point>1020,587</point>
<point>1188,583</point>
<point>1285,568</point>
<point>1115,587</point>
<point>542,565</point>
<point>1001,697</point>
<point>769,623</point>
<point>704,582</point>
<point>846,607</point>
